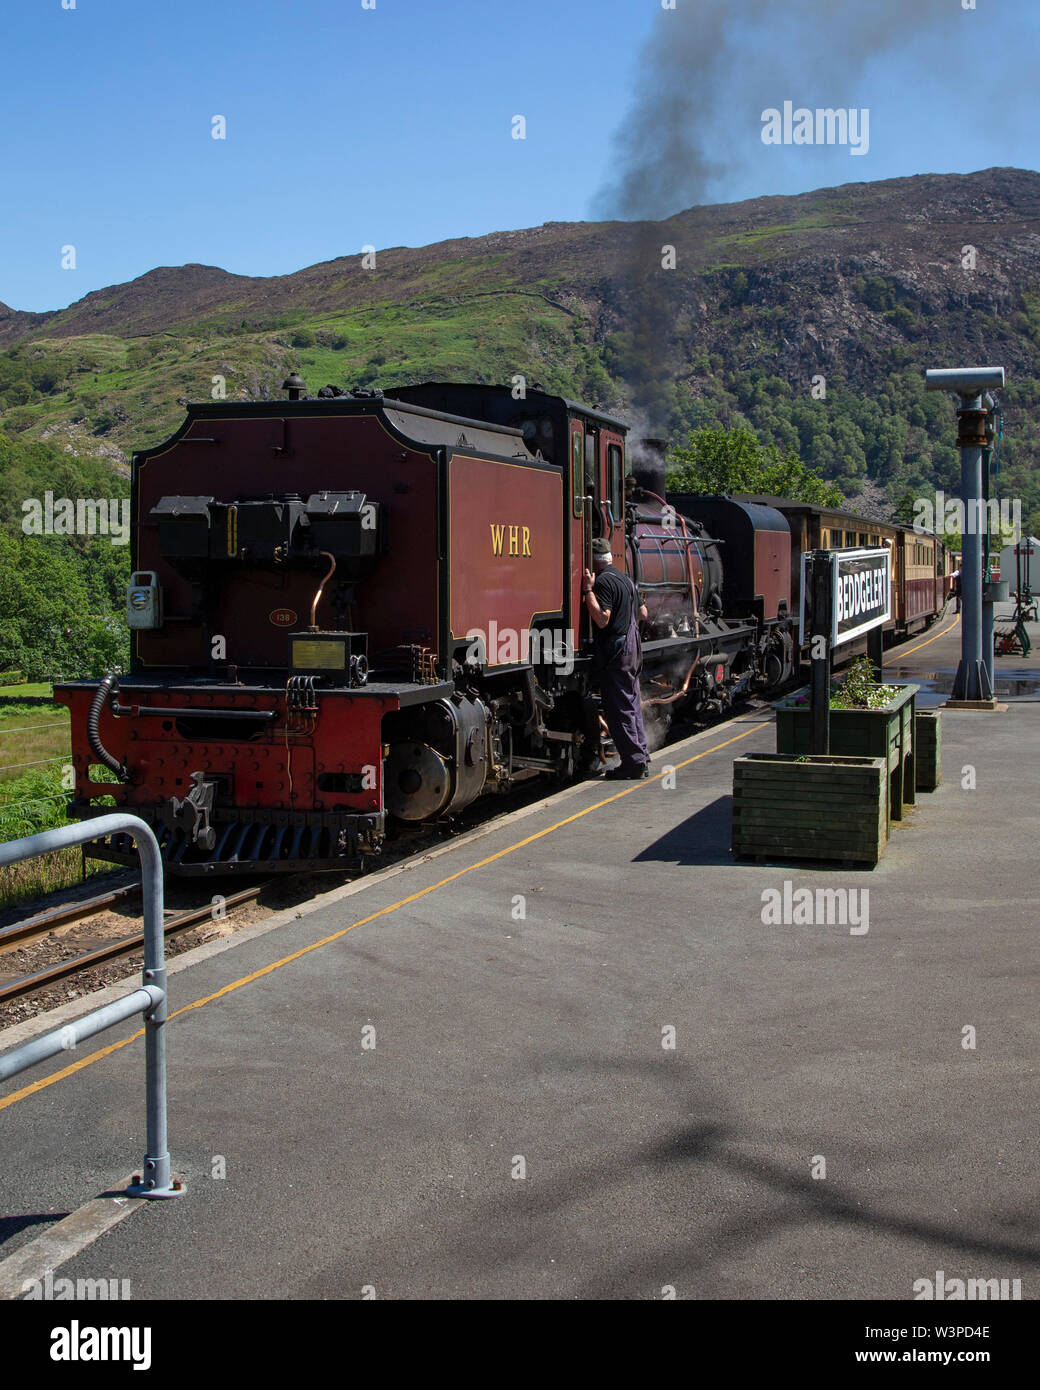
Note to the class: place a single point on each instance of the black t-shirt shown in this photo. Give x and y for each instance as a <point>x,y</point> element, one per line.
<point>615,591</point>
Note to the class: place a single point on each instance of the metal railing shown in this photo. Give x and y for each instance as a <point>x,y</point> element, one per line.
<point>149,999</point>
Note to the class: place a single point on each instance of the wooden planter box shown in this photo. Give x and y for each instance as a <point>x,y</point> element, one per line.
<point>927,749</point>
<point>832,808</point>
<point>886,733</point>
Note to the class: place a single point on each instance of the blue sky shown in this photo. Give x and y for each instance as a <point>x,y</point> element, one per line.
<point>392,126</point>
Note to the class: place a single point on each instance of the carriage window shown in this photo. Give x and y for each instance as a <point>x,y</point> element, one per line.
<point>577,473</point>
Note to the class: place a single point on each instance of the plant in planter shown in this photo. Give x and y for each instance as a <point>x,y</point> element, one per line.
<point>859,689</point>
<point>856,690</point>
<point>867,720</point>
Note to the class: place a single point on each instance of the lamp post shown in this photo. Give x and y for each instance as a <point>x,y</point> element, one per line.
<point>973,682</point>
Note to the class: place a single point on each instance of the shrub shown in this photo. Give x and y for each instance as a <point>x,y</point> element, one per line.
<point>859,689</point>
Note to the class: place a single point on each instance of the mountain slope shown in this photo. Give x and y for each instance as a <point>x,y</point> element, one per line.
<point>862,286</point>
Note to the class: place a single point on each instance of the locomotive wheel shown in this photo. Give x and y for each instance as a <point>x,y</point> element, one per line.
<point>417,780</point>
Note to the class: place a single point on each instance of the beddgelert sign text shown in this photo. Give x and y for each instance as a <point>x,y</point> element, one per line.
<point>861,586</point>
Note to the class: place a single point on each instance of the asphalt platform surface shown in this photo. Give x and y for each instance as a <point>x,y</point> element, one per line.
<point>597,1071</point>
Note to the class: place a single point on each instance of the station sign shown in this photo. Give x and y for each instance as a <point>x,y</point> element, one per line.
<point>861,592</point>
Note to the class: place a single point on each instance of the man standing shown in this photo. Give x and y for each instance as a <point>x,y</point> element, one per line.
<point>615,610</point>
<point>955,588</point>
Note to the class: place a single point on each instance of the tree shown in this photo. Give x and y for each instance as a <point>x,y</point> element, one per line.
<point>61,597</point>
<point>734,461</point>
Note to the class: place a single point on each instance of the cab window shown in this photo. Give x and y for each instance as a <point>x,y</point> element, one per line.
<point>577,472</point>
<point>615,467</point>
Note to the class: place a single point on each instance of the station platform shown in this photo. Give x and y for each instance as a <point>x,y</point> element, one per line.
<point>597,1072</point>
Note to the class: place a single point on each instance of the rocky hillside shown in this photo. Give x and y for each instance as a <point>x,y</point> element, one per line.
<point>862,285</point>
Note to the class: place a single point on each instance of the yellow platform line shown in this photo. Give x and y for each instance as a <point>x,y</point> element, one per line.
<point>93,1057</point>
<point>941,633</point>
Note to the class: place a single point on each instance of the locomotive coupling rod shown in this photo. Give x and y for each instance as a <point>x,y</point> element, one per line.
<point>149,999</point>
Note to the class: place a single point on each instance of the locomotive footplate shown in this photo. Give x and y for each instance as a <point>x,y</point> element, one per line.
<point>249,841</point>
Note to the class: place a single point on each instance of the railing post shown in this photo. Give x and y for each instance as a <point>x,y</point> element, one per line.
<point>155,1181</point>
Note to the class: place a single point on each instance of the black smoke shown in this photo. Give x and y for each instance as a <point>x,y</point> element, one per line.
<point>708,71</point>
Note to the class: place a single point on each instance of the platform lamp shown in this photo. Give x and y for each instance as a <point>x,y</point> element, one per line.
<point>993,590</point>
<point>972,684</point>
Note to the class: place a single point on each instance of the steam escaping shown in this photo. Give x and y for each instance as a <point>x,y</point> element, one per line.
<point>648,457</point>
<point>656,723</point>
<point>708,72</point>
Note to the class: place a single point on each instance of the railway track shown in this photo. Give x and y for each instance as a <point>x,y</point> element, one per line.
<point>38,927</point>
<point>64,914</point>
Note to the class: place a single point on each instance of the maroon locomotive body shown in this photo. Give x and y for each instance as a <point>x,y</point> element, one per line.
<point>367,606</point>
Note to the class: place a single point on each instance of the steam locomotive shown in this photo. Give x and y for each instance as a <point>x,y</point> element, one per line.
<point>366,606</point>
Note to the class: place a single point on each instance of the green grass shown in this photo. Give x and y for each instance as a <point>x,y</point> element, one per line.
<point>809,223</point>
<point>29,804</point>
<point>27,690</point>
<point>455,320</point>
<point>38,744</point>
<point>32,728</point>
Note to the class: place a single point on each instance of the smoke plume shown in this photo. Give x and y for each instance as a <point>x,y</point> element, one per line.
<point>707,73</point>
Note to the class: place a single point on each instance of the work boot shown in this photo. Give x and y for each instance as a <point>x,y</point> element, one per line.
<point>629,772</point>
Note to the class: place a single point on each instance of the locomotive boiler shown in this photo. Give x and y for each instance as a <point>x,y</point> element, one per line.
<point>365,607</point>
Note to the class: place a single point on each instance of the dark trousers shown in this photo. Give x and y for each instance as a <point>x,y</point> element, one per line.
<point>622,707</point>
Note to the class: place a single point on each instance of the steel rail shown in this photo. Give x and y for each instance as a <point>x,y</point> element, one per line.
<point>64,913</point>
<point>62,969</point>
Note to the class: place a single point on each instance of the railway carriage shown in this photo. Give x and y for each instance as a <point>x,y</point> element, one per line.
<point>920,562</point>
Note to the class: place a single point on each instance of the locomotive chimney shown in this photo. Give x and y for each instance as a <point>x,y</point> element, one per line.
<point>649,461</point>
<point>295,385</point>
